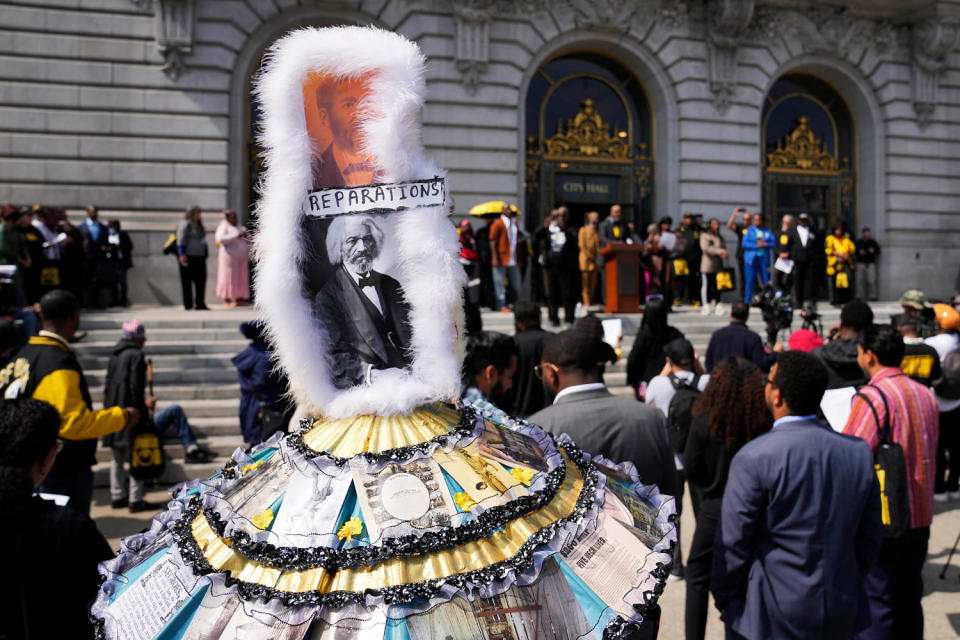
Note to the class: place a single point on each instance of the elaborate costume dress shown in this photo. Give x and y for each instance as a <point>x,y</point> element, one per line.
<point>394,515</point>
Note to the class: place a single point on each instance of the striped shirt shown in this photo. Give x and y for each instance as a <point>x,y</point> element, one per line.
<point>914,426</point>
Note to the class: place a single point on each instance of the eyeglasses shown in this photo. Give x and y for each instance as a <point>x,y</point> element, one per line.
<point>538,369</point>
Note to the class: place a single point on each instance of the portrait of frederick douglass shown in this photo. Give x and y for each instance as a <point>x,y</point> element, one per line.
<point>364,311</point>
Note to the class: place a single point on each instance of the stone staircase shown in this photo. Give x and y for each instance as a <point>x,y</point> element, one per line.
<point>191,353</point>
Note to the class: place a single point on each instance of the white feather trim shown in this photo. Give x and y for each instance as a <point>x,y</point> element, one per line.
<point>427,246</point>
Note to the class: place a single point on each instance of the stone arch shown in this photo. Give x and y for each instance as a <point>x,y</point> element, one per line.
<point>868,124</point>
<point>248,56</point>
<point>660,92</point>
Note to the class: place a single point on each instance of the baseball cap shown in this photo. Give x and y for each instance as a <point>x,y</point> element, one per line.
<point>134,330</point>
<point>803,216</point>
<point>804,340</point>
<point>679,350</point>
<point>947,316</point>
<point>913,298</point>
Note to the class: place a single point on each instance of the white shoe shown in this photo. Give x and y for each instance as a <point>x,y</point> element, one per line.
<point>941,497</point>
<point>705,311</point>
<point>719,310</point>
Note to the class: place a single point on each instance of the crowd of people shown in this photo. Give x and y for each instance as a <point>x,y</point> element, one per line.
<point>42,250</point>
<point>784,491</point>
<point>785,495</point>
<point>685,264</point>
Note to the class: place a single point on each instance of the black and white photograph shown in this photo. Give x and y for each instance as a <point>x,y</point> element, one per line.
<point>642,515</point>
<point>349,275</point>
<point>259,486</point>
<point>403,499</point>
<point>352,629</point>
<point>310,508</point>
<point>511,448</point>
<point>545,610</point>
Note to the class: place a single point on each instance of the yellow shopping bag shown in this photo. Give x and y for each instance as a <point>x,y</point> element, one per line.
<point>680,267</point>
<point>50,277</point>
<point>842,281</point>
<point>724,280</point>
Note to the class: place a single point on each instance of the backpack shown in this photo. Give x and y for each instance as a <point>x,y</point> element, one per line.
<point>170,246</point>
<point>949,385</point>
<point>146,451</point>
<point>681,406</point>
<point>891,468</point>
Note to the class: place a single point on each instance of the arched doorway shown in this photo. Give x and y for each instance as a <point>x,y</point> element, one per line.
<point>809,153</point>
<point>589,135</point>
<point>244,153</point>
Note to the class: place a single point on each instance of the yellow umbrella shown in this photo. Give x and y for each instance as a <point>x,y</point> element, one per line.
<point>493,207</point>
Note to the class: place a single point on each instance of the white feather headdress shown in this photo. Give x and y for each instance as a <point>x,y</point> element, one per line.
<point>425,242</point>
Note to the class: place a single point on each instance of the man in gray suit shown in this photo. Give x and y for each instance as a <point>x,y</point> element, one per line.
<point>800,522</point>
<point>599,422</point>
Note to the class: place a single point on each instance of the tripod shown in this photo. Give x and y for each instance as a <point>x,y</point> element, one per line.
<point>943,574</point>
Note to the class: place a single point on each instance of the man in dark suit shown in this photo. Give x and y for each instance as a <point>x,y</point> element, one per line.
<point>599,422</point>
<point>528,393</point>
<point>737,340</point>
<point>803,252</point>
<point>618,428</point>
<point>614,228</point>
<point>800,522</point>
<point>364,312</point>
<point>341,164</point>
<point>97,264</point>
<point>783,281</point>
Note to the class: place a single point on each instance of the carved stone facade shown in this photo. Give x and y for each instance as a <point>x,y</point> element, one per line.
<point>931,41</point>
<point>142,106</point>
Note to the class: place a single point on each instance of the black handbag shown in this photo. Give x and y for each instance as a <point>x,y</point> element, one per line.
<point>891,468</point>
<point>271,420</point>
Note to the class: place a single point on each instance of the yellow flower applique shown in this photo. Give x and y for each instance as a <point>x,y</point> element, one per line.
<point>263,519</point>
<point>464,501</point>
<point>350,528</point>
<point>523,475</point>
<point>250,467</point>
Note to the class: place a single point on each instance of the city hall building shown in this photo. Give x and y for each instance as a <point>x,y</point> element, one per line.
<point>849,111</point>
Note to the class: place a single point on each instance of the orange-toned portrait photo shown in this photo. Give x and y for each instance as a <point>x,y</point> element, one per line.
<point>333,109</point>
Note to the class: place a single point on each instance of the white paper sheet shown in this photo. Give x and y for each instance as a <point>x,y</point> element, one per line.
<point>836,406</point>
<point>612,330</point>
<point>784,265</point>
<point>668,240</point>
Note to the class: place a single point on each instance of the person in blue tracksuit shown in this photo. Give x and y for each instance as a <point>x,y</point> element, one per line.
<point>758,242</point>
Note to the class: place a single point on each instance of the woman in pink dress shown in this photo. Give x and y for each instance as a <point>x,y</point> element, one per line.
<point>233,266</point>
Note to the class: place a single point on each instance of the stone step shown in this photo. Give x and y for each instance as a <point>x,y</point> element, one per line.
<point>165,362</point>
<point>95,377</point>
<point>177,319</point>
<point>176,470</point>
<point>176,341</point>
<point>222,445</point>
<point>180,393</point>
<point>207,408</point>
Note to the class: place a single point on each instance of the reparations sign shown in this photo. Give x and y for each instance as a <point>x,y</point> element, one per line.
<point>375,198</point>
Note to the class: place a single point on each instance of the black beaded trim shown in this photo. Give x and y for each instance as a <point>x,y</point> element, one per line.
<point>522,561</point>
<point>464,429</point>
<point>301,558</point>
<point>619,629</point>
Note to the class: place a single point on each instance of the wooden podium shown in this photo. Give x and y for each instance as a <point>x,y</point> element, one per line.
<point>623,277</point>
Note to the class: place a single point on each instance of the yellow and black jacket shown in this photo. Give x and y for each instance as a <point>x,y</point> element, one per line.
<point>46,369</point>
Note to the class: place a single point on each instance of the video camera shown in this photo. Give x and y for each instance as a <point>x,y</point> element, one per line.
<point>811,318</point>
<point>777,310</point>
